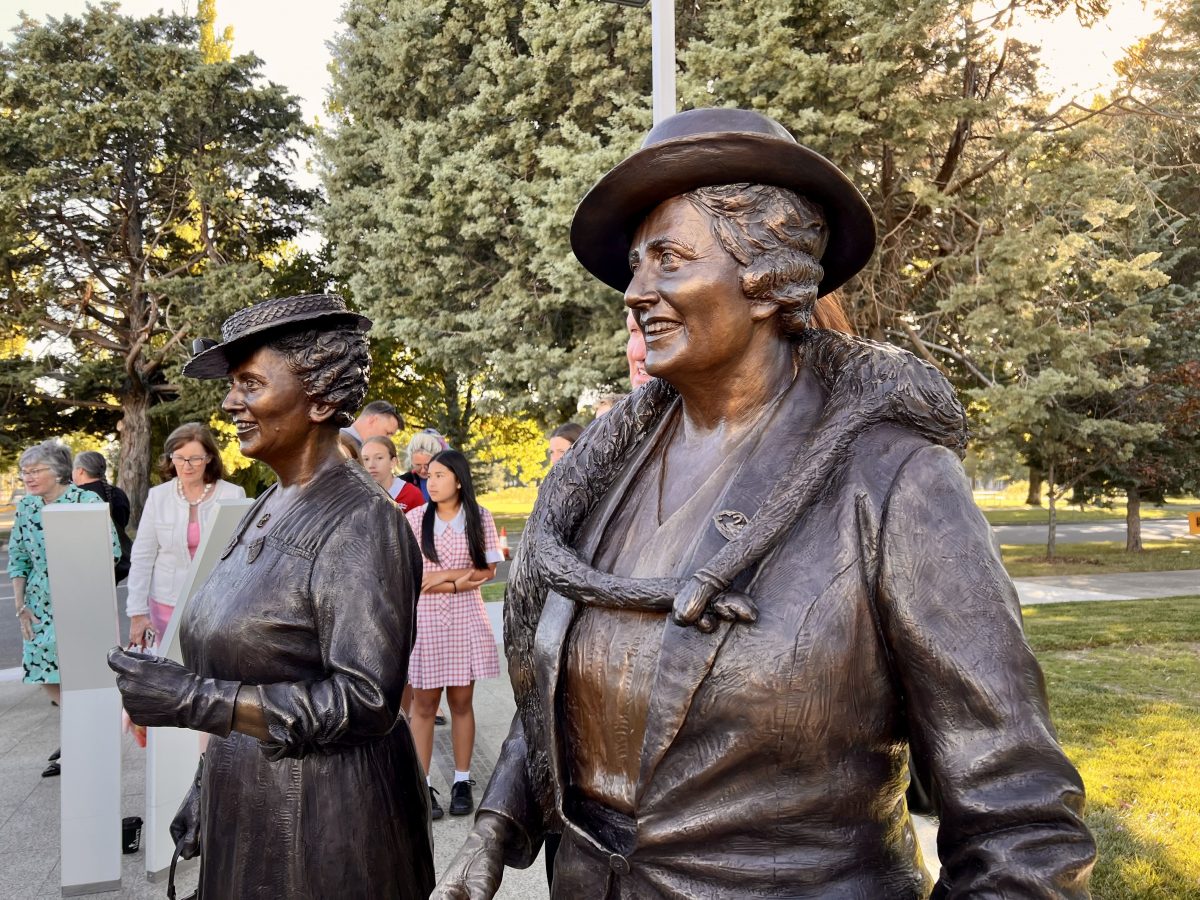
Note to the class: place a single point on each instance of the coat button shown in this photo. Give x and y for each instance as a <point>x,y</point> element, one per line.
<point>618,864</point>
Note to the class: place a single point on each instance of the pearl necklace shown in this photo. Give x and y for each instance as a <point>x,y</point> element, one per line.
<point>208,488</point>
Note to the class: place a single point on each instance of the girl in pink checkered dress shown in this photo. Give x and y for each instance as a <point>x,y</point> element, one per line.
<point>455,644</point>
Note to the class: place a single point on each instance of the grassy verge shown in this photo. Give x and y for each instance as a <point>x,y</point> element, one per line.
<point>1100,558</point>
<point>493,591</point>
<point>1026,515</point>
<point>1122,681</point>
<point>510,507</point>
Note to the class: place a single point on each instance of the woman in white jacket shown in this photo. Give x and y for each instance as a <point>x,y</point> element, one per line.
<point>176,515</point>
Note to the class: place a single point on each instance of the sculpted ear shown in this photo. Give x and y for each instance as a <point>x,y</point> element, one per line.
<point>761,310</point>
<point>320,412</point>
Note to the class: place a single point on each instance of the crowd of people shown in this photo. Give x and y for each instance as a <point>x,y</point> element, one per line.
<point>458,541</point>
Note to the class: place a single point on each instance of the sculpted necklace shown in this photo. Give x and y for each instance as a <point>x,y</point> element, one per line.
<point>208,489</point>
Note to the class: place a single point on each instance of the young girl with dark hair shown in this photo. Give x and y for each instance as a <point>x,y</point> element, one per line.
<point>455,644</point>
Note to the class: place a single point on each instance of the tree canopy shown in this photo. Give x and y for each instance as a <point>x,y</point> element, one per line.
<point>147,195</point>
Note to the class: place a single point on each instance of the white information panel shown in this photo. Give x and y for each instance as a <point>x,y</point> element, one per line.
<point>80,560</point>
<point>172,753</point>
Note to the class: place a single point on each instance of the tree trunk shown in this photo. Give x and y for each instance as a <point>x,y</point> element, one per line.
<point>1051,535</point>
<point>133,477</point>
<point>1133,521</point>
<point>1034,498</point>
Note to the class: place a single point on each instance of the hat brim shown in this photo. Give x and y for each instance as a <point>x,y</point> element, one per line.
<point>216,361</point>
<point>608,216</point>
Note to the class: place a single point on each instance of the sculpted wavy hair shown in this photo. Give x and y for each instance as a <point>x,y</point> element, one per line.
<point>333,367</point>
<point>777,236</point>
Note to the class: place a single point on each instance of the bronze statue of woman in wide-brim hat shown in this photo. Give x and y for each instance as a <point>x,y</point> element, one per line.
<point>760,582</point>
<point>296,647</point>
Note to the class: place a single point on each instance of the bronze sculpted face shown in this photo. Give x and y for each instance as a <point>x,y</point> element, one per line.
<point>268,405</point>
<point>686,294</point>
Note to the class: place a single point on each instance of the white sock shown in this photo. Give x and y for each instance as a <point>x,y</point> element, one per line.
<point>462,776</point>
<point>428,783</point>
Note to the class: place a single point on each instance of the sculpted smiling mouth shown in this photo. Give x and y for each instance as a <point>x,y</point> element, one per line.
<point>243,427</point>
<point>658,327</point>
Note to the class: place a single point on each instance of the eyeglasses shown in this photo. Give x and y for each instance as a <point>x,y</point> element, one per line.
<point>34,472</point>
<point>189,460</point>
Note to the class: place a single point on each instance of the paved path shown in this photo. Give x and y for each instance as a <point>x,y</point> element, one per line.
<point>1125,586</point>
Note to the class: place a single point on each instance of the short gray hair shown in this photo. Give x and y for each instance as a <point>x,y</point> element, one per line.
<point>423,442</point>
<point>92,462</point>
<point>53,454</point>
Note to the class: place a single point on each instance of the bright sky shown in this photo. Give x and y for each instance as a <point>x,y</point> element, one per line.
<point>1078,61</point>
<point>289,37</point>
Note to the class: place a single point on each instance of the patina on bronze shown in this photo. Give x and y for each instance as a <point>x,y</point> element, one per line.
<point>759,580</point>
<point>296,647</point>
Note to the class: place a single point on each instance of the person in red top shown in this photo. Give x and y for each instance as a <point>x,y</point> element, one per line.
<point>378,456</point>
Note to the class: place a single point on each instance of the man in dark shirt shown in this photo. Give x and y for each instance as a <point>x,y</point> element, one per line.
<point>88,474</point>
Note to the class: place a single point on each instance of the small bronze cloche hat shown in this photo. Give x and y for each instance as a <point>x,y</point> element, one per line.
<point>707,147</point>
<point>255,325</point>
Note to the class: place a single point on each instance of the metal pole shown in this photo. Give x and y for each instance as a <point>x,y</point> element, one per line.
<point>662,49</point>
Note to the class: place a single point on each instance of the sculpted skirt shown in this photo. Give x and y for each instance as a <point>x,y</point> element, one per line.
<point>353,823</point>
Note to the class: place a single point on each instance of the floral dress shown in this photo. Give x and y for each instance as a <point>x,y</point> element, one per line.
<point>27,559</point>
<point>455,642</point>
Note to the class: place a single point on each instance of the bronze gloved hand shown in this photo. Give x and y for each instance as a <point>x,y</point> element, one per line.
<point>185,827</point>
<point>475,872</point>
<point>158,691</point>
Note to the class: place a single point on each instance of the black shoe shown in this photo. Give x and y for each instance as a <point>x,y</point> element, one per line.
<point>52,771</point>
<point>461,801</point>
<point>53,757</point>
<point>435,808</point>
<point>439,719</point>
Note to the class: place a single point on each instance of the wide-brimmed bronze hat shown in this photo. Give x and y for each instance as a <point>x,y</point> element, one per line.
<point>253,326</point>
<point>708,147</point>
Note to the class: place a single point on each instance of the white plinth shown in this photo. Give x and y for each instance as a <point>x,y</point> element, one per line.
<point>172,753</point>
<point>80,561</point>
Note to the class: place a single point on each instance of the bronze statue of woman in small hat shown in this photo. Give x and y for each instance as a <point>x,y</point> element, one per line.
<point>296,647</point>
<point>759,584</point>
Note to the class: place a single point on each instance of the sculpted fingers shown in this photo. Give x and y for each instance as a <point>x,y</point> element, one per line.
<point>735,607</point>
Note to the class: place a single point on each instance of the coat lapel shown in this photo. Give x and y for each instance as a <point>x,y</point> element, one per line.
<point>554,625</point>
<point>687,654</point>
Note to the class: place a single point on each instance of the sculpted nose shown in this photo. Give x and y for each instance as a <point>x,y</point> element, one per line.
<point>640,293</point>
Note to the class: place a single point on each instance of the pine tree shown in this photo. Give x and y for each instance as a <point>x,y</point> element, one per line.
<point>1164,151</point>
<point>145,191</point>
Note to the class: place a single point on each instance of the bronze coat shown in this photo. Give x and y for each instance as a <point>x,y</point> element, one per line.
<point>319,615</point>
<point>775,757</point>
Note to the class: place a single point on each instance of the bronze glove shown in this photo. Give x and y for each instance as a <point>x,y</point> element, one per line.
<point>160,692</point>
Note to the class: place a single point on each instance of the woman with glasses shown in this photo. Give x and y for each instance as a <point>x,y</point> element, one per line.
<point>424,446</point>
<point>46,472</point>
<point>176,514</point>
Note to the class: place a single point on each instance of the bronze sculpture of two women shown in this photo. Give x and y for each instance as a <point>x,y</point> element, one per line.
<point>746,599</point>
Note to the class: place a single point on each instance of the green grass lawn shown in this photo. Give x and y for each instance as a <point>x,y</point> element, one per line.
<point>1100,558</point>
<point>1007,513</point>
<point>1122,679</point>
<point>1007,507</point>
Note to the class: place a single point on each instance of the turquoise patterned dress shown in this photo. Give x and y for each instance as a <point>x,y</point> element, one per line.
<point>27,559</point>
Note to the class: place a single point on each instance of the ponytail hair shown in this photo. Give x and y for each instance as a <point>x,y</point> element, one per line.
<point>457,463</point>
